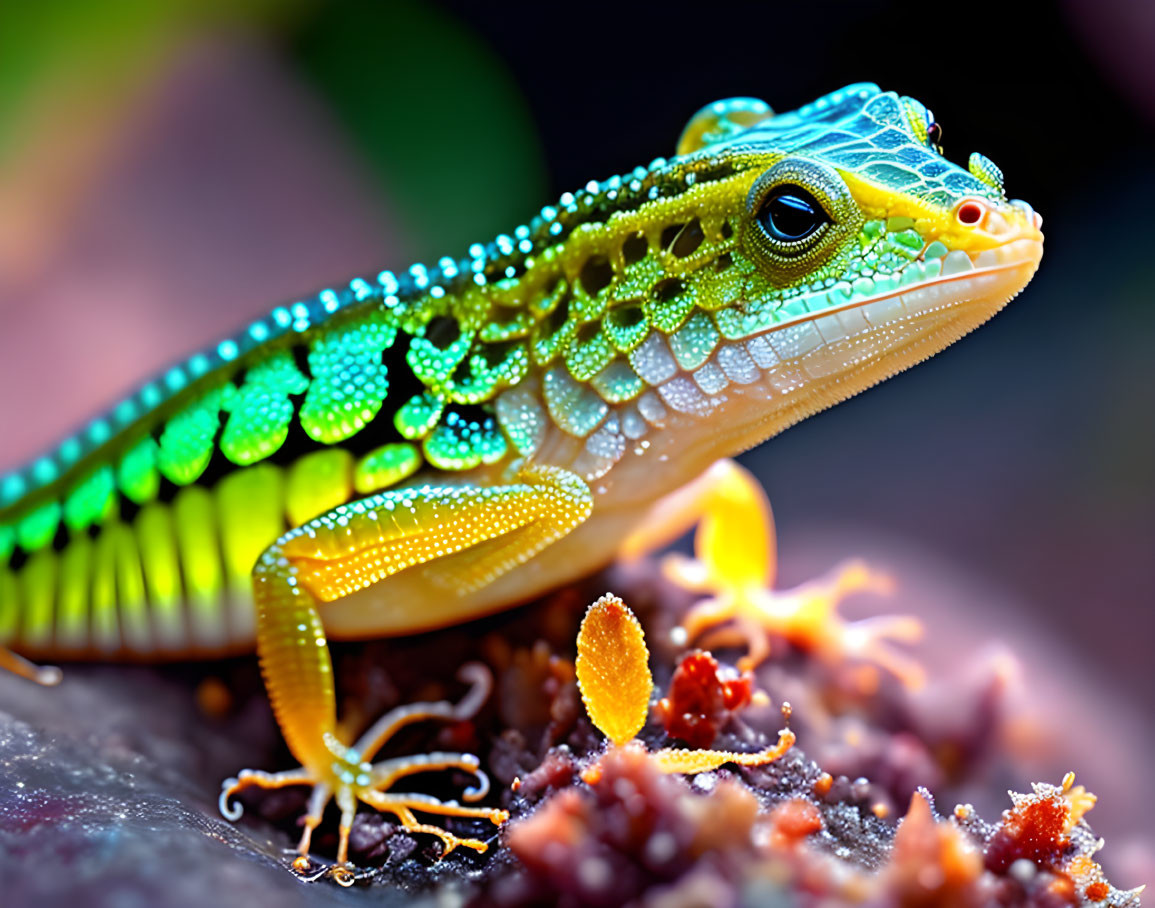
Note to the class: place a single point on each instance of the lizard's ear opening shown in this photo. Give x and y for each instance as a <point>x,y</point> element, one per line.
<point>721,120</point>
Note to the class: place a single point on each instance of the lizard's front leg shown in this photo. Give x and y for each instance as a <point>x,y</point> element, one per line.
<point>351,548</point>
<point>735,563</point>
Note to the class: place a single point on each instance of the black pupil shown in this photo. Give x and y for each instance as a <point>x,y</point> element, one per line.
<point>792,215</point>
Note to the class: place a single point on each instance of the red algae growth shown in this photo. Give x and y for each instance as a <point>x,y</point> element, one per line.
<point>702,698</point>
<point>675,827</point>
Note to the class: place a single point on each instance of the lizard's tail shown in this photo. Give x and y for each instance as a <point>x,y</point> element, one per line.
<point>166,581</point>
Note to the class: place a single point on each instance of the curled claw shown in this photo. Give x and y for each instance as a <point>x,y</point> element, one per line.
<point>375,737</point>
<point>870,639</point>
<point>249,778</point>
<point>231,812</point>
<point>478,791</point>
<point>745,610</point>
<point>387,772</point>
<point>348,778</point>
<point>734,567</point>
<point>480,680</point>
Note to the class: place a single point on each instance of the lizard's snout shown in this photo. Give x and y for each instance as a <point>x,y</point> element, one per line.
<point>1002,222</point>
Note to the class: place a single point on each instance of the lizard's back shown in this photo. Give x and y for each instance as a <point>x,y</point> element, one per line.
<point>137,536</point>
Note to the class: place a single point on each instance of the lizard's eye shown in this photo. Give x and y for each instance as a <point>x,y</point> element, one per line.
<point>799,215</point>
<point>791,214</point>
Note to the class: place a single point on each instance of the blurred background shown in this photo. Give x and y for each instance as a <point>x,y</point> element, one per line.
<point>170,170</point>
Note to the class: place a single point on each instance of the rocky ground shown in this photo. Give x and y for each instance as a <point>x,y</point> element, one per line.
<point>109,783</point>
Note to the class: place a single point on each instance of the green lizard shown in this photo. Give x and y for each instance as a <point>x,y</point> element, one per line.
<point>413,450</point>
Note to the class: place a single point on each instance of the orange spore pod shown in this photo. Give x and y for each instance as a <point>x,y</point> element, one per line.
<point>792,822</point>
<point>613,670</point>
<point>932,863</point>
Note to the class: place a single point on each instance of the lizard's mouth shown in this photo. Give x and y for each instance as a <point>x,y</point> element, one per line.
<point>960,290</point>
<point>819,358</point>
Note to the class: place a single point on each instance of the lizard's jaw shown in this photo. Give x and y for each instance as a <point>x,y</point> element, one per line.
<point>818,359</point>
<point>938,302</point>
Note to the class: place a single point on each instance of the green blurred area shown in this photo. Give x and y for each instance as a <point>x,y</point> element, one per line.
<point>436,114</point>
<point>429,107</point>
<point>77,42</point>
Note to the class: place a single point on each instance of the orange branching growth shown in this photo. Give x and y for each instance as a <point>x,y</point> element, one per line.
<point>735,565</point>
<point>614,677</point>
<point>612,669</point>
<point>1078,799</point>
<point>690,762</point>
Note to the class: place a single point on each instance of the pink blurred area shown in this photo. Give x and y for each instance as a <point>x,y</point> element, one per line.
<point>1121,35</point>
<point>228,189</point>
<point>1027,690</point>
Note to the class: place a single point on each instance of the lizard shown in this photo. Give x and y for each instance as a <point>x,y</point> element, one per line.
<point>412,450</point>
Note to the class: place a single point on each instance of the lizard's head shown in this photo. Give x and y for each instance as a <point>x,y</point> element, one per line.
<point>855,185</point>
<point>827,249</point>
<point>775,266</point>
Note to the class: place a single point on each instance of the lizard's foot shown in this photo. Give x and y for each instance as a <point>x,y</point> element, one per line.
<point>735,565</point>
<point>807,616</point>
<point>350,778</point>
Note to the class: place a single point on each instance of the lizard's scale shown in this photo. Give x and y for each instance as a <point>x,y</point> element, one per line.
<point>617,312</point>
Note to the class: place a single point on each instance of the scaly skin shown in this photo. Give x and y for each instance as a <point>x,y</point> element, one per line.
<point>526,405</point>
